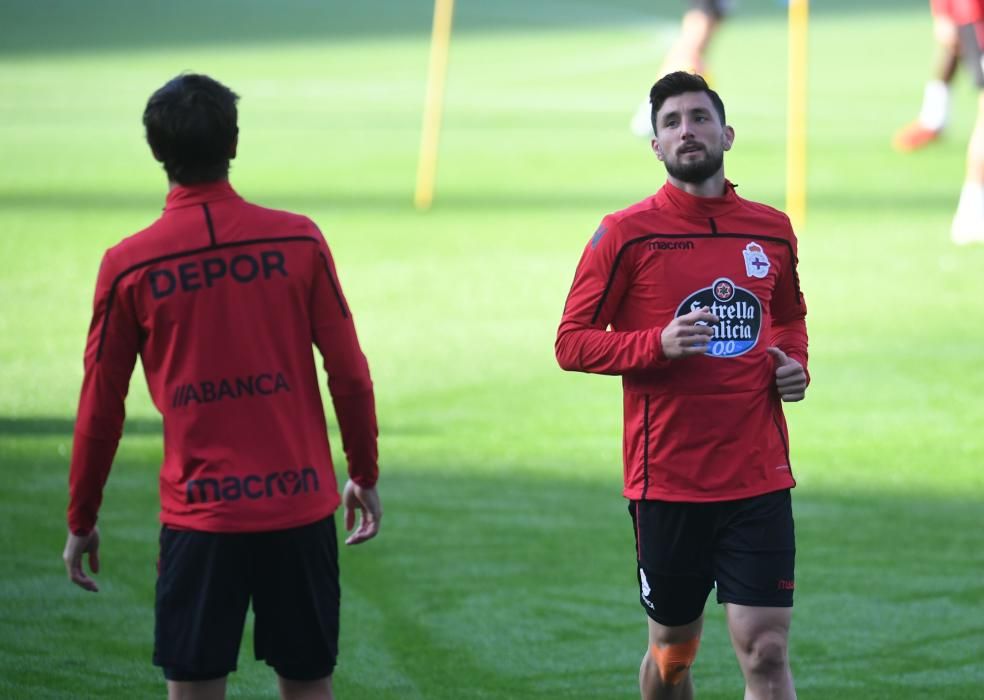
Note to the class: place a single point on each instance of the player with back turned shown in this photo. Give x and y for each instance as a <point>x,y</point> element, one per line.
<point>222,301</point>
<point>692,296</point>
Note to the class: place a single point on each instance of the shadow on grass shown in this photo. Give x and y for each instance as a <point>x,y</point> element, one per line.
<point>54,26</point>
<point>509,584</point>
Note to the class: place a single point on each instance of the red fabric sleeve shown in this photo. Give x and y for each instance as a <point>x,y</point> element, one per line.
<point>110,354</point>
<point>583,343</point>
<point>789,314</point>
<point>349,382</point>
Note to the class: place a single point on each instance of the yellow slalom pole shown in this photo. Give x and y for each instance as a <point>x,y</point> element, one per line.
<point>434,103</point>
<point>799,13</point>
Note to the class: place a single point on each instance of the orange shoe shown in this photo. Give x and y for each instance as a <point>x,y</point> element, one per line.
<point>914,136</point>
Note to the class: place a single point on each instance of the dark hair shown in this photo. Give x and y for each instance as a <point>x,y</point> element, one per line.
<point>673,84</point>
<point>191,128</point>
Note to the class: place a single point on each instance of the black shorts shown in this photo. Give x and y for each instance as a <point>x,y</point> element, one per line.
<point>972,50</point>
<point>715,8</point>
<point>747,547</point>
<point>206,581</point>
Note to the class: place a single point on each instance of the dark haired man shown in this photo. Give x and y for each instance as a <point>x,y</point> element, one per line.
<point>222,300</point>
<point>692,296</point>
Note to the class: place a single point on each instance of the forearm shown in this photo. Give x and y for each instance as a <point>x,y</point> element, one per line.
<point>91,461</point>
<point>609,352</point>
<point>356,414</point>
<point>791,337</point>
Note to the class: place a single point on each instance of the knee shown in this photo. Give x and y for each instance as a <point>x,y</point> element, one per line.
<point>672,661</point>
<point>767,654</point>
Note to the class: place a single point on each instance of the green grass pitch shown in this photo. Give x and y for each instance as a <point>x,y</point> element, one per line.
<point>504,568</point>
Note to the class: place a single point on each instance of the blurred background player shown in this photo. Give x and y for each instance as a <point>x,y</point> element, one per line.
<point>697,28</point>
<point>935,110</point>
<point>968,17</point>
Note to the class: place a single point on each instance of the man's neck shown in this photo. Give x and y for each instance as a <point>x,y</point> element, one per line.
<point>171,184</point>
<point>711,187</point>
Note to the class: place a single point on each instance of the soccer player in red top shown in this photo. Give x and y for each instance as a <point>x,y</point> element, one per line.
<point>692,297</point>
<point>222,301</point>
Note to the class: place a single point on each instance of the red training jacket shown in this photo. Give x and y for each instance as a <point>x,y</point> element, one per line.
<point>704,428</point>
<point>222,300</point>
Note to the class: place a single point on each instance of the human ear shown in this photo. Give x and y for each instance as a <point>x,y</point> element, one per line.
<point>656,149</point>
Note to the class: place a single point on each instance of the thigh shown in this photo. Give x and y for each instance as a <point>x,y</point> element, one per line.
<point>673,563</point>
<point>755,551</point>
<point>201,601</point>
<point>296,600</point>
<point>662,635</point>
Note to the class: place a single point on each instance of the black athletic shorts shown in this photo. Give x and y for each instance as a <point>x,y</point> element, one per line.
<point>207,580</point>
<point>746,547</point>
<point>714,8</point>
<point>972,50</point>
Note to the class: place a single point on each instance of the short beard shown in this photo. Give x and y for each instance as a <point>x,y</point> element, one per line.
<point>696,172</point>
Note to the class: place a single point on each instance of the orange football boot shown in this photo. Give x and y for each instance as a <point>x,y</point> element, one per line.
<point>914,136</point>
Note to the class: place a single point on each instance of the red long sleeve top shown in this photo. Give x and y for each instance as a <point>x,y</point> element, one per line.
<point>222,301</point>
<point>702,428</point>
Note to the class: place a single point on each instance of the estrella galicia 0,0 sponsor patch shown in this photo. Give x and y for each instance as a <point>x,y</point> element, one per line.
<point>739,315</point>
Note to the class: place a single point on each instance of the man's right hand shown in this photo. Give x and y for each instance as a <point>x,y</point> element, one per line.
<point>689,334</point>
<point>366,501</point>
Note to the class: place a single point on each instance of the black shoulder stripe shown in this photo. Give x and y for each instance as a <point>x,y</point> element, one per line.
<point>334,285</point>
<point>331,278</point>
<point>672,236</point>
<point>183,254</point>
<point>611,275</point>
<point>208,222</point>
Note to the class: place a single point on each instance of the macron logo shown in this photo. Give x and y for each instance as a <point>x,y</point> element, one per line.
<point>291,482</point>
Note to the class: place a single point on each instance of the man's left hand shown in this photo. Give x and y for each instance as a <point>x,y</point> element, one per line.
<point>790,376</point>
<point>75,548</point>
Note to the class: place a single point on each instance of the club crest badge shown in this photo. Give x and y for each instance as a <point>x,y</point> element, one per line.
<point>756,261</point>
